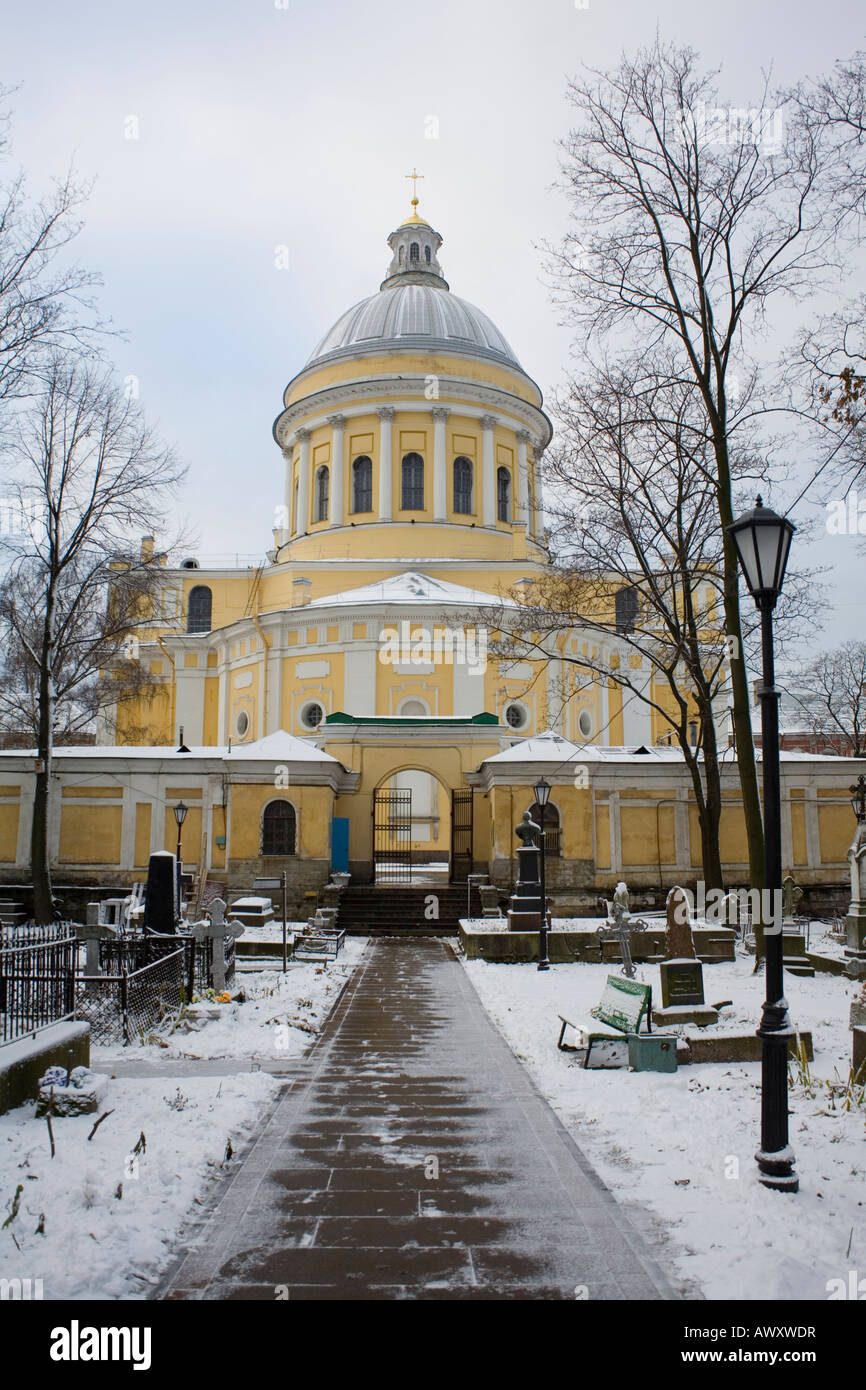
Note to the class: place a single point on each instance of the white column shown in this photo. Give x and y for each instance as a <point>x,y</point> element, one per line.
<point>522,511</point>
<point>285,530</point>
<point>386,416</point>
<point>302,520</point>
<point>488,425</point>
<point>440,465</point>
<point>338,424</point>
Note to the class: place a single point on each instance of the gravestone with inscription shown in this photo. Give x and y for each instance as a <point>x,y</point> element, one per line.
<point>682,976</point>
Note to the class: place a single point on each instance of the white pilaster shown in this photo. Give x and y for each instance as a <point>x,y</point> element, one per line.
<point>488,425</point>
<point>386,416</point>
<point>440,465</point>
<point>522,514</point>
<point>535,523</point>
<point>338,424</point>
<point>302,520</point>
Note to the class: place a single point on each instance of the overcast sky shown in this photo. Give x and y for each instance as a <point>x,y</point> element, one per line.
<point>293,124</point>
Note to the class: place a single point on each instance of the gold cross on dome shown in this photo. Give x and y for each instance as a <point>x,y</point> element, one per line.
<point>414,176</point>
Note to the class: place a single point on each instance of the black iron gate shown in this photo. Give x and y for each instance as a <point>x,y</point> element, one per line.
<point>461,834</point>
<point>392,837</point>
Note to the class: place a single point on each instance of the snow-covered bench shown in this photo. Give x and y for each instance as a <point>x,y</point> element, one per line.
<point>623,1005</point>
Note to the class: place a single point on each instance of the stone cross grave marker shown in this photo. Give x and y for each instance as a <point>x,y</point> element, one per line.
<point>218,930</point>
<point>621,916</point>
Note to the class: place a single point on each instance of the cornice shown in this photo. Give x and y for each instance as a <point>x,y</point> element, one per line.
<point>317,408</point>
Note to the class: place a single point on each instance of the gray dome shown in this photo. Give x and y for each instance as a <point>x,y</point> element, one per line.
<point>419,316</point>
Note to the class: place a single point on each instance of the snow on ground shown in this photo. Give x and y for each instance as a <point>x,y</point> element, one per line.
<point>111,1220</point>
<point>272,931</point>
<point>280,1017</point>
<point>683,1144</point>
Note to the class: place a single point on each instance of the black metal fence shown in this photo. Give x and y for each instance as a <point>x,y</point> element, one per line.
<point>43,979</point>
<point>129,954</point>
<point>37,972</point>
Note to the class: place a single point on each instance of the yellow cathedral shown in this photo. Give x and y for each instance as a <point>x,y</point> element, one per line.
<point>337,708</point>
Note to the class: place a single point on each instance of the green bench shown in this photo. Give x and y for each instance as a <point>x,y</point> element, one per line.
<point>623,1005</point>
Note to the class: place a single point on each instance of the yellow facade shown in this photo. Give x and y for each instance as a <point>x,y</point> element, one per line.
<point>404,509</point>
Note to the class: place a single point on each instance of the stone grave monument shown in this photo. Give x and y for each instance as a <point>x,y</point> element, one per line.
<point>95,930</point>
<point>163,893</point>
<point>524,909</point>
<point>682,975</point>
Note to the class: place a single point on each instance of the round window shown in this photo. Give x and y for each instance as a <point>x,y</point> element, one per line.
<point>584,723</point>
<point>312,716</point>
<point>242,724</point>
<point>516,715</point>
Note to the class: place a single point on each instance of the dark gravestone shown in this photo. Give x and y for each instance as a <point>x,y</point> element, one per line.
<point>160,908</point>
<point>682,983</point>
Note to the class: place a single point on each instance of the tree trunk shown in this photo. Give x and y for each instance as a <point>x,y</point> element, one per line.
<point>708,803</point>
<point>43,897</point>
<point>739,684</point>
<point>710,821</point>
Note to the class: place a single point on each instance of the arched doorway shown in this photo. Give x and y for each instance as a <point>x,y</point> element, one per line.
<point>414,819</point>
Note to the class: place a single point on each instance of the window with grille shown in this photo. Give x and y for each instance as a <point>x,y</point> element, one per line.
<point>413,483</point>
<point>463,486</point>
<point>323,481</point>
<point>626,602</point>
<point>550,825</point>
<point>503,494</point>
<point>198,615</point>
<point>279,828</point>
<point>362,484</point>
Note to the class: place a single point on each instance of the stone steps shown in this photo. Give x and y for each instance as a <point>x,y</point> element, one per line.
<point>376,910</point>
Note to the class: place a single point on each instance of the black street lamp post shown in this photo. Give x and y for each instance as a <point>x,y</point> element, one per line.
<point>542,796</point>
<point>763,540</point>
<point>180,816</point>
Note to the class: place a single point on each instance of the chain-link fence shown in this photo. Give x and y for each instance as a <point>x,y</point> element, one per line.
<point>124,1008</point>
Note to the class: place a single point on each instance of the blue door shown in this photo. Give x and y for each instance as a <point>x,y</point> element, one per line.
<point>340,845</point>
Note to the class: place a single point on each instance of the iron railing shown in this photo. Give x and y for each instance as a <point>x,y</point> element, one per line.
<point>37,970</point>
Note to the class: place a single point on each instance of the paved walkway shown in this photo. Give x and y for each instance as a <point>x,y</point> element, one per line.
<point>411,1157</point>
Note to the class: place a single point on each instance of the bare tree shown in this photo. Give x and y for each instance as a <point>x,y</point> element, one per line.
<point>44,306</point>
<point>100,602</point>
<point>689,219</point>
<point>631,498</point>
<point>92,475</point>
<point>830,693</point>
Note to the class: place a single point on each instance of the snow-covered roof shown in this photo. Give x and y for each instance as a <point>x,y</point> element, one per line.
<point>414,588</point>
<point>551,747</point>
<point>278,747</point>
